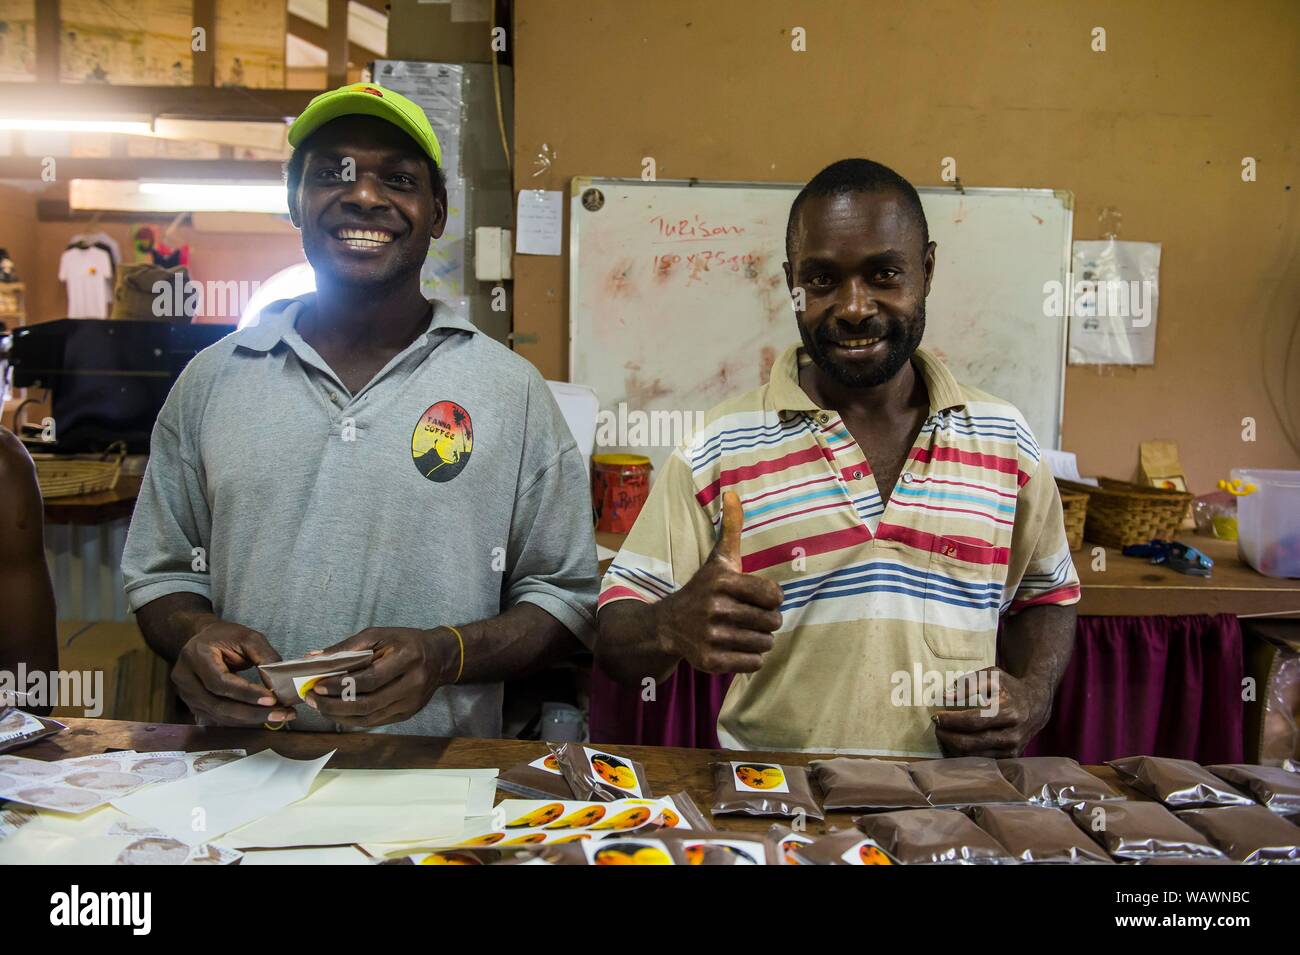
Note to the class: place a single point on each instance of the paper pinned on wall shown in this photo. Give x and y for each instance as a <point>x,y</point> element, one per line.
<point>540,222</point>
<point>198,809</point>
<point>1113,304</point>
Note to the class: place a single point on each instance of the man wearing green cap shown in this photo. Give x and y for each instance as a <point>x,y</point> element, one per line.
<point>362,470</point>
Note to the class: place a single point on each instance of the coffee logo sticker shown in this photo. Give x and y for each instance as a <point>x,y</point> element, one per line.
<point>759,778</point>
<point>614,771</point>
<point>547,764</point>
<point>865,852</point>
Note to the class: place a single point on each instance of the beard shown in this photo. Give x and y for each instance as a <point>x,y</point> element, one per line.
<point>903,338</point>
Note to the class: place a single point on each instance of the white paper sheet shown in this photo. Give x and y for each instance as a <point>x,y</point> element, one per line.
<point>540,222</point>
<point>202,808</point>
<point>348,806</point>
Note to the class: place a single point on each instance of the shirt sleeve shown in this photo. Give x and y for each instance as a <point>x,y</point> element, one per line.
<point>672,537</point>
<point>63,267</point>
<point>1041,569</point>
<point>171,517</point>
<point>551,557</point>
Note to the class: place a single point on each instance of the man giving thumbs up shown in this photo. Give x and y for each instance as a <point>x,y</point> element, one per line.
<point>720,621</point>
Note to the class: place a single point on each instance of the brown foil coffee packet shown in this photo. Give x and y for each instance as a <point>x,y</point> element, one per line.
<point>18,728</point>
<point>537,779</point>
<point>595,773</point>
<point>1275,787</point>
<point>1054,781</point>
<point>292,680</point>
<point>1038,834</point>
<point>933,837</point>
<point>1131,830</point>
<point>842,847</point>
<point>962,781</point>
<point>682,814</point>
<point>787,841</point>
<point>763,789</point>
<point>1178,783</point>
<point>865,785</point>
<point>1249,834</point>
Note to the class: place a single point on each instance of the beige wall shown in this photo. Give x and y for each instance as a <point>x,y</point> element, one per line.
<point>1156,128</point>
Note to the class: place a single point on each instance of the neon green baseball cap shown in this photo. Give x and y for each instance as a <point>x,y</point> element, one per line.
<point>367,99</point>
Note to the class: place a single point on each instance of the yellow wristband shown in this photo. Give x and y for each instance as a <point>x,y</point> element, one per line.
<point>461,641</point>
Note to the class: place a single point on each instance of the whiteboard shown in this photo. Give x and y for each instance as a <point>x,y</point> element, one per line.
<point>677,297</point>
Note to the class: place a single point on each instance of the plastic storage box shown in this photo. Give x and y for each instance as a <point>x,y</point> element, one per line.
<point>1268,521</point>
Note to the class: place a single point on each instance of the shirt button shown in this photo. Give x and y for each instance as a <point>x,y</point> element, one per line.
<point>334,397</point>
<point>857,475</point>
<point>907,478</point>
<point>823,417</point>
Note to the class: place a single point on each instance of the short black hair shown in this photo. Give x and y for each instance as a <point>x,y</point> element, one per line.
<point>856,175</point>
<point>298,158</point>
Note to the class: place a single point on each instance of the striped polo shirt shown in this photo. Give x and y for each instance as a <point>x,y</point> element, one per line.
<point>880,599</point>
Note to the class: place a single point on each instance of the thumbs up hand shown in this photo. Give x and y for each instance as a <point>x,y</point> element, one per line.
<point>722,620</point>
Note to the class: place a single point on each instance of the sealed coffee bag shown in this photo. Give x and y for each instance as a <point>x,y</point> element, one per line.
<point>598,774</point>
<point>763,789</point>
<point>537,779</point>
<point>1038,834</point>
<point>1178,783</point>
<point>843,847</point>
<point>962,781</point>
<point>1133,830</point>
<point>1054,781</point>
<point>1249,834</point>
<point>1275,787</point>
<point>679,811</point>
<point>865,785</point>
<point>933,837</point>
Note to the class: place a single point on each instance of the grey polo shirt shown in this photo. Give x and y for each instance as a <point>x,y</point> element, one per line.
<point>445,491</point>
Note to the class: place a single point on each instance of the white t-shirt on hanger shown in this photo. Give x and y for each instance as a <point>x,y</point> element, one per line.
<point>88,276</point>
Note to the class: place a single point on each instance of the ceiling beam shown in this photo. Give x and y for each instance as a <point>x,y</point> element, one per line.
<point>47,41</point>
<point>203,14</point>
<point>32,167</point>
<point>50,100</point>
<point>336,43</point>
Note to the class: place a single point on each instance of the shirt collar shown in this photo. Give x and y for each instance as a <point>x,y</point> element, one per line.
<point>277,320</point>
<point>784,392</point>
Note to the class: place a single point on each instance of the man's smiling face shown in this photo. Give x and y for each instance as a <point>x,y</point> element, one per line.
<point>366,202</point>
<point>865,268</point>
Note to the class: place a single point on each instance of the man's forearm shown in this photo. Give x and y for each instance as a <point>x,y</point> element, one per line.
<point>523,640</point>
<point>1036,645</point>
<point>169,622</point>
<point>627,648</point>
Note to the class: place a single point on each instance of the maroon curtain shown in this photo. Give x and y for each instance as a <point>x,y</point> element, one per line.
<point>1157,686</point>
<point>684,711</point>
<point>1150,686</point>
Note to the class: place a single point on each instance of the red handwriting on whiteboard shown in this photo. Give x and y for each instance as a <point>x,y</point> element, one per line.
<point>696,227</point>
<point>709,260</point>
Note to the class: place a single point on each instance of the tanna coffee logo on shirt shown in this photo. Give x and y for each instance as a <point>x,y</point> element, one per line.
<point>442,441</point>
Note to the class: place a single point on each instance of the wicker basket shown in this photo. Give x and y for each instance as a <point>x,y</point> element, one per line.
<point>1120,513</point>
<point>1074,505</point>
<point>63,476</point>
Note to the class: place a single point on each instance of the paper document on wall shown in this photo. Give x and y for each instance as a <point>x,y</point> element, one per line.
<point>1113,303</point>
<point>541,219</point>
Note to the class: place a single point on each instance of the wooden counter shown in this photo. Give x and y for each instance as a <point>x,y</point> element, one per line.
<point>670,770</point>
